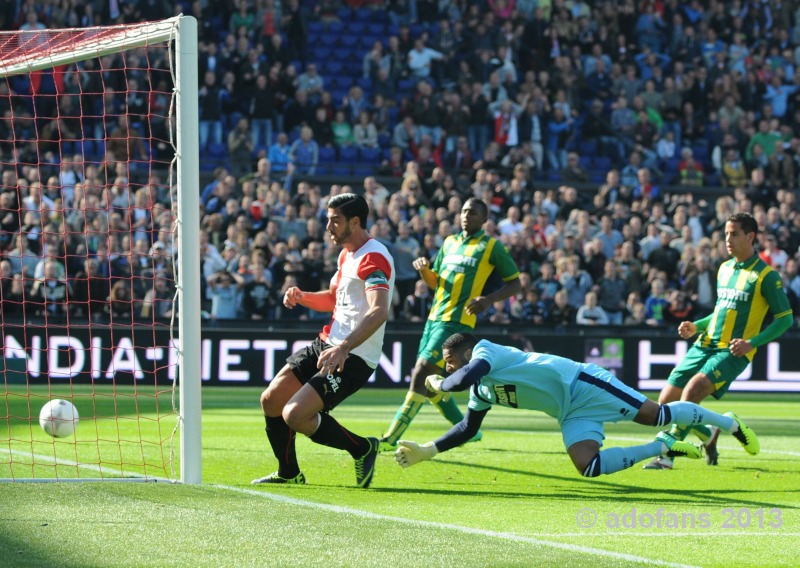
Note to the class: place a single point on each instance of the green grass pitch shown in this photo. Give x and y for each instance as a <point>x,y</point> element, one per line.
<point>513,499</point>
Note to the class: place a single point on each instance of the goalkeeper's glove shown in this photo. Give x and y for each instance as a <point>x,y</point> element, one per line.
<point>410,453</point>
<point>434,384</point>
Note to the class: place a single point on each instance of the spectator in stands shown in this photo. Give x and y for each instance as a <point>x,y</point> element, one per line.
<point>240,148</point>
<point>612,291</point>
<point>304,152</point>
<point>421,59</point>
<point>561,313</point>
<point>212,98</point>
<point>559,131</point>
<point>261,111</point>
<point>365,134</point>
<point>656,303</point>
<point>22,260</point>
<point>223,288</point>
<point>590,313</point>
<point>689,170</point>
<point>416,306</point>
<point>51,292</point>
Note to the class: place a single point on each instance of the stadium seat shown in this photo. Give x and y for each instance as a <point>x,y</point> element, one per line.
<point>321,54</point>
<point>376,30</point>
<point>315,29</point>
<point>355,29</point>
<point>345,14</point>
<point>336,28</point>
<point>348,154</point>
<point>367,41</point>
<point>602,163</point>
<point>362,14</point>
<point>363,170</point>
<point>327,154</point>
<point>350,39</point>
<point>384,140</point>
<point>340,170</point>
<point>217,151</point>
<point>370,155</point>
<point>333,68</point>
<point>587,147</point>
<point>328,40</point>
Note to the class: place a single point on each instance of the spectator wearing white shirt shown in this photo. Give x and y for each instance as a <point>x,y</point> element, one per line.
<point>512,223</point>
<point>421,58</point>
<point>590,313</point>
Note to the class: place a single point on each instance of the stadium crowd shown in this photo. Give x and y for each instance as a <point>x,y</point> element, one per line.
<point>611,141</point>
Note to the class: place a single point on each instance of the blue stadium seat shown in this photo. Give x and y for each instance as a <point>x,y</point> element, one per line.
<point>377,30</point>
<point>340,170</point>
<point>333,68</point>
<point>354,69</point>
<point>350,41</point>
<point>362,14</point>
<point>363,170</point>
<point>367,41</point>
<point>601,163</point>
<point>384,140</point>
<point>345,14</point>
<point>370,155</point>
<point>217,151</point>
<point>327,154</point>
<point>587,147</point>
<point>315,29</point>
<point>321,54</point>
<point>328,40</point>
<point>344,54</point>
<point>336,28</point>
<point>348,154</point>
<point>355,29</point>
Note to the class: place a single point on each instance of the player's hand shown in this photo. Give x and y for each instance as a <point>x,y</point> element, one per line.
<point>434,384</point>
<point>332,360</point>
<point>421,263</point>
<point>478,305</point>
<point>410,453</point>
<point>687,329</point>
<point>292,296</point>
<point>740,347</point>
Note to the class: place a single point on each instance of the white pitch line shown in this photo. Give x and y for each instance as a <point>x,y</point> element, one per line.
<point>459,528</point>
<point>69,463</point>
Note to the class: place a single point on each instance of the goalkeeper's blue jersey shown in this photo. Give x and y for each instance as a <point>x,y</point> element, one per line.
<point>532,381</point>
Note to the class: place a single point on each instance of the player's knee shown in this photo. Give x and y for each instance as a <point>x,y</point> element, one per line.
<point>293,415</point>
<point>591,469</point>
<point>270,403</point>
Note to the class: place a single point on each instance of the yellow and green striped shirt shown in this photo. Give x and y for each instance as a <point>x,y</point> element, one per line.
<point>746,291</point>
<point>463,265</point>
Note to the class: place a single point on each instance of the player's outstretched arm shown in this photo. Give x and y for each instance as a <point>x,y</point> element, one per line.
<point>410,453</point>
<point>466,376</point>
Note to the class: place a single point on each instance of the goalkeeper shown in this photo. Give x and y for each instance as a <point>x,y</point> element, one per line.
<point>580,396</point>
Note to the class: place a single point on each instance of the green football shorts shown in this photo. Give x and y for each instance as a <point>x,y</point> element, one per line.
<point>433,335</point>
<point>719,365</point>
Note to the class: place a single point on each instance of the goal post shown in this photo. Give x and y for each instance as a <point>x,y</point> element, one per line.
<point>99,159</point>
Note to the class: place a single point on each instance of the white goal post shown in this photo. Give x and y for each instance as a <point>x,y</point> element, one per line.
<point>30,52</point>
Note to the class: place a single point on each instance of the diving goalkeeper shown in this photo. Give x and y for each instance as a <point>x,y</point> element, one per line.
<point>580,396</point>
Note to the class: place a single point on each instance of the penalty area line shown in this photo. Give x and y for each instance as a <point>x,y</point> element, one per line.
<point>447,526</point>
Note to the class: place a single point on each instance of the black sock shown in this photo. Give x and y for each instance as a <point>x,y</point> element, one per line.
<point>332,434</point>
<point>282,438</point>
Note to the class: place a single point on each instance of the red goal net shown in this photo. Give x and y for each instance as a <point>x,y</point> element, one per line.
<point>87,250</point>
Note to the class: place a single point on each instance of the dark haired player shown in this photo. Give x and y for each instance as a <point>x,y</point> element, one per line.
<point>342,358</point>
<point>747,288</point>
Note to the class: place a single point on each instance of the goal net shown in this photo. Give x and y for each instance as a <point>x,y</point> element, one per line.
<point>98,256</point>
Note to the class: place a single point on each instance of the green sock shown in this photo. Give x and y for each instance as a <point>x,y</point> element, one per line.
<point>404,416</point>
<point>702,431</point>
<point>449,409</point>
<point>680,432</point>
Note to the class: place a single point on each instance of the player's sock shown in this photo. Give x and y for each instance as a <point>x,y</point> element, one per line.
<point>332,434</point>
<point>404,416</point>
<point>282,439</point>
<point>691,414</point>
<point>617,459</point>
<point>449,409</point>
<point>702,431</point>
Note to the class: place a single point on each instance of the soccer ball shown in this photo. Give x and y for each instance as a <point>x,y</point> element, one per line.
<point>59,418</point>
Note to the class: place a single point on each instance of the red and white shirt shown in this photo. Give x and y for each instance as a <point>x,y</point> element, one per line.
<point>369,268</point>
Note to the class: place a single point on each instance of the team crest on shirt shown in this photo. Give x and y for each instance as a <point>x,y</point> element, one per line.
<point>752,277</point>
<point>481,246</point>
